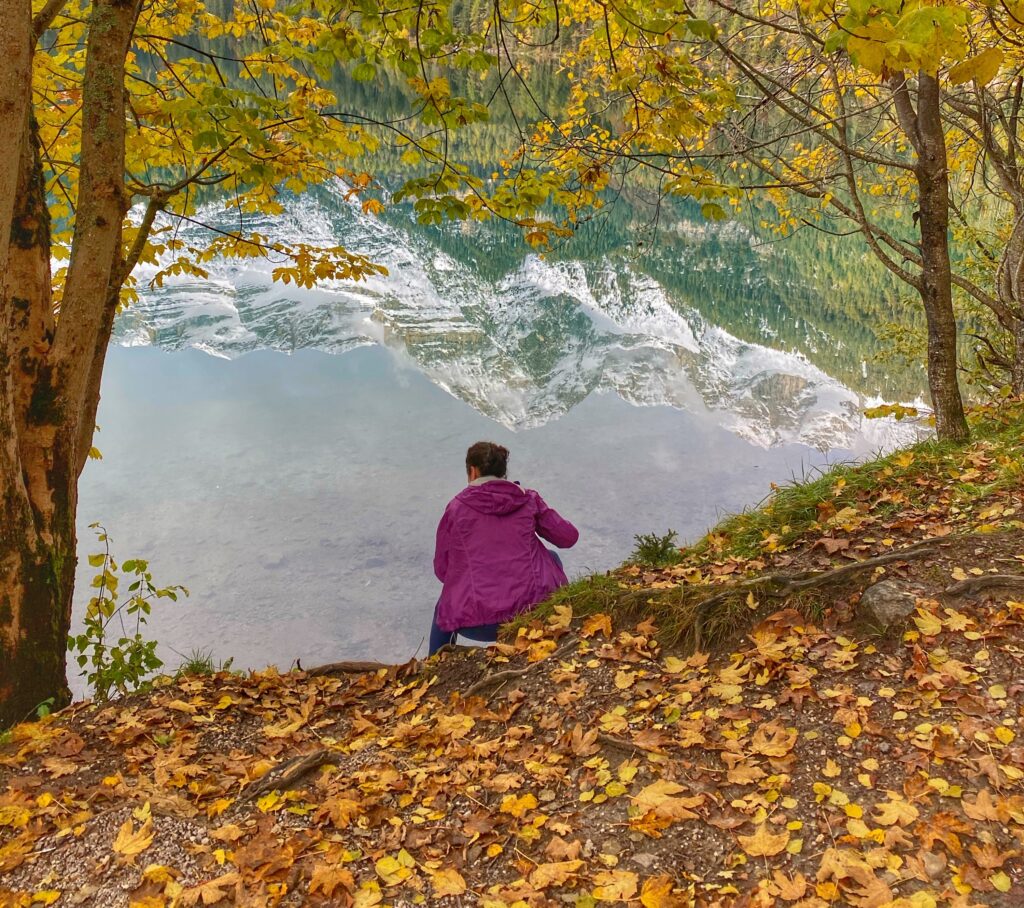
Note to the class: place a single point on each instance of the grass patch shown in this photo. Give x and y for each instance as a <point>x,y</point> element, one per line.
<point>796,510</point>
<point>674,611</point>
<point>202,662</point>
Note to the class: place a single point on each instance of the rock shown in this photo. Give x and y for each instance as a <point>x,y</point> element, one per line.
<point>887,603</point>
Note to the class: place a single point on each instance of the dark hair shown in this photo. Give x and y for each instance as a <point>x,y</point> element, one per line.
<point>489,458</point>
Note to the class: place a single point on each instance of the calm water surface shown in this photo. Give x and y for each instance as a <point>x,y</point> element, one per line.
<point>297,496</point>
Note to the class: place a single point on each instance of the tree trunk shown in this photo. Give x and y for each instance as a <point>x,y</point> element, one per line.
<point>51,370</point>
<point>42,592</point>
<point>23,566</point>
<point>1017,366</point>
<point>936,274</point>
<point>1010,292</point>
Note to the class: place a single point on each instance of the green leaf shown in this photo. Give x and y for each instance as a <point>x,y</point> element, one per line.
<point>712,211</point>
<point>701,28</point>
<point>364,72</point>
<point>835,41</point>
<point>97,560</point>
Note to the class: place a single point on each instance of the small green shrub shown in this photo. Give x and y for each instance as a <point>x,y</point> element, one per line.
<point>123,666</point>
<point>652,550</point>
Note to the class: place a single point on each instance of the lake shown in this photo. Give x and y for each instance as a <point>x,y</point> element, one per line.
<point>286,454</point>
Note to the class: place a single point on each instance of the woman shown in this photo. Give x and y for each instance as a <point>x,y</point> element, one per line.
<point>488,556</point>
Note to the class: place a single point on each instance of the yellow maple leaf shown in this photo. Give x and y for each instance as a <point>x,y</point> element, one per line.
<point>615,885</point>
<point>599,623</point>
<point>392,870</point>
<point>518,805</point>
<point>927,623</point>
<point>12,815</point>
<point>131,841</point>
<point>447,881</point>
<point>895,811</point>
<point>657,893</point>
<point>661,798</point>
<point>540,650</point>
<point>764,843</point>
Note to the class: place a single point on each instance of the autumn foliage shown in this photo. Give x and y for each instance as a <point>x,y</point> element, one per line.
<point>807,759</point>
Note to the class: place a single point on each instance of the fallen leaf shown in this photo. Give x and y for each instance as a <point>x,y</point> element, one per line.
<point>660,798</point>
<point>764,843</point>
<point>447,881</point>
<point>615,885</point>
<point>131,841</point>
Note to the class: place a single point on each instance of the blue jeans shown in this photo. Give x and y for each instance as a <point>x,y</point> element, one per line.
<point>478,633</point>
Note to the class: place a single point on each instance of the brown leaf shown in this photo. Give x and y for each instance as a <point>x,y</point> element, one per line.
<point>773,740</point>
<point>328,877</point>
<point>447,881</point>
<point>211,892</point>
<point>983,807</point>
<point>790,889</point>
<point>615,885</point>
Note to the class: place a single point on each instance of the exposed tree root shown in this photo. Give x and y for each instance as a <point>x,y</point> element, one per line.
<point>357,667</point>
<point>509,674</point>
<point>779,585</point>
<point>973,585</point>
<point>286,774</point>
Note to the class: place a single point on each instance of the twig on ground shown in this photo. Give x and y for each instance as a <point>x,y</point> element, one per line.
<point>286,774</point>
<point>508,674</point>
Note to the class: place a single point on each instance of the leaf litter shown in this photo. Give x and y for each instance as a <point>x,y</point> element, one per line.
<point>806,760</point>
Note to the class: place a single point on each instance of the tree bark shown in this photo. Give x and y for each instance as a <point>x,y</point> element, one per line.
<point>1017,366</point>
<point>42,593</point>
<point>51,369</point>
<point>936,288</point>
<point>1010,291</point>
<point>25,567</point>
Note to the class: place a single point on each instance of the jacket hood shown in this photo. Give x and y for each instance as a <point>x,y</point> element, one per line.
<point>498,496</point>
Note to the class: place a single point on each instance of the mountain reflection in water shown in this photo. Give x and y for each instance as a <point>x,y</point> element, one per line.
<point>297,495</point>
<point>523,348</point>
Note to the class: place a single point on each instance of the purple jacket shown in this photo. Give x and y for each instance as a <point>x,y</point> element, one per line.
<point>488,555</point>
